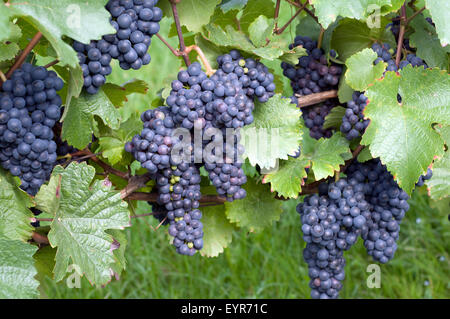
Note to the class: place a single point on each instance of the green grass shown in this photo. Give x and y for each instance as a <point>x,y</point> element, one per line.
<point>270,265</point>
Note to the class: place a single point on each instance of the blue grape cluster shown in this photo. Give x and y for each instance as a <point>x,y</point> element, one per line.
<point>135,21</point>
<point>179,192</point>
<point>367,203</point>
<point>385,52</point>
<point>29,108</point>
<point>331,224</point>
<point>314,117</point>
<point>95,63</point>
<point>189,94</point>
<point>153,146</point>
<point>312,74</point>
<point>353,122</point>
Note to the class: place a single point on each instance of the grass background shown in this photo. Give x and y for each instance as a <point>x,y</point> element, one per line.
<point>269,264</point>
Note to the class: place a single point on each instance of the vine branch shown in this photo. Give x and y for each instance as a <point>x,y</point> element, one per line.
<point>311,99</point>
<point>275,16</point>
<point>107,168</point>
<point>51,64</point>
<point>173,3</point>
<point>21,58</point>
<point>414,15</point>
<point>401,35</point>
<point>280,31</point>
<point>175,52</point>
<point>295,4</point>
<point>40,239</point>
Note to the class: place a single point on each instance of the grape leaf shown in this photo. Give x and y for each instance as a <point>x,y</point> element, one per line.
<point>218,231</point>
<point>195,15</point>
<point>83,211</point>
<point>401,134</point>
<point>364,155</point>
<point>287,180</point>
<point>428,45</point>
<point>325,154</point>
<point>117,94</point>
<point>118,247</point>
<point>9,50</point>
<point>439,10</point>
<point>274,133</point>
<point>112,142</point>
<point>439,184</point>
<point>74,81</point>
<point>17,270</point>
<point>44,261</point>
<point>334,118</point>
<point>254,9</point>
<point>260,30</point>
<point>14,213</point>
<point>257,210</point>
<point>79,122</point>
<point>352,36</point>
<point>361,71</point>
<point>56,19</point>
<point>345,92</point>
<point>228,5</point>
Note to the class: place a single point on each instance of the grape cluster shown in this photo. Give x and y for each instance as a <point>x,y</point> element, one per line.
<point>314,117</point>
<point>29,108</point>
<point>252,76</point>
<point>189,94</point>
<point>388,207</point>
<point>331,224</point>
<point>353,122</point>
<point>384,53</point>
<point>179,192</point>
<point>209,105</point>
<point>153,146</point>
<point>95,61</point>
<point>135,21</point>
<point>312,74</point>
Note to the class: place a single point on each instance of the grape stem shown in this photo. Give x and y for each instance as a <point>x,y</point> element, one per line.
<point>173,3</point>
<point>281,30</point>
<point>51,64</point>
<point>209,70</point>
<point>93,157</point>
<point>275,16</point>
<point>40,239</point>
<point>401,35</point>
<point>2,76</point>
<point>295,4</point>
<point>311,99</point>
<point>414,15</point>
<point>21,58</point>
<point>319,42</point>
<point>175,52</point>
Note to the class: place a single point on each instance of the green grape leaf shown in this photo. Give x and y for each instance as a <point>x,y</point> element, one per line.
<point>334,118</point>
<point>56,19</point>
<point>112,142</point>
<point>14,213</point>
<point>254,9</point>
<point>274,133</point>
<point>9,49</point>
<point>74,81</point>
<point>439,10</point>
<point>352,36</point>
<point>257,210</point>
<point>439,184</point>
<point>345,92</point>
<point>228,5</point>
<point>328,12</point>
<point>79,122</point>
<point>287,180</point>
<point>364,155</point>
<point>260,30</point>
<point>292,56</point>
<point>195,15</point>
<point>119,246</point>
<point>218,231</point>
<point>85,210</point>
<point>361,70</point>
<point>117,94</point>
<point>325,154</point>
<point>44,261</point>
<point>428,45</point>
<point>401,134</point>
<point>17,270</point>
